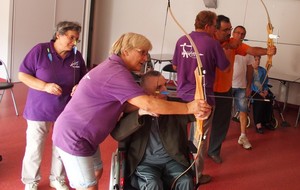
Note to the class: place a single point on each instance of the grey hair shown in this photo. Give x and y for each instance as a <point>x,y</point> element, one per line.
<point>149,74</point>
<point>130,41</point>
<point>64,26</point>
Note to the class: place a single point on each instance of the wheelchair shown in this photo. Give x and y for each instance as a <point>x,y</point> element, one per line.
<point>118,178</point>
<point>272,98</point>
<point>117,169</point>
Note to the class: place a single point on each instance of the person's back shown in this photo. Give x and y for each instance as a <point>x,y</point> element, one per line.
<point>184,61</point>
<point>211,54</point>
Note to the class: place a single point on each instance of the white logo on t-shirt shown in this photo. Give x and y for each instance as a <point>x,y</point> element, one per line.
<point>187,51</point>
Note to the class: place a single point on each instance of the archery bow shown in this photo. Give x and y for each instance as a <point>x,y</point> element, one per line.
<point>270,42</point>
<point>199,91</point>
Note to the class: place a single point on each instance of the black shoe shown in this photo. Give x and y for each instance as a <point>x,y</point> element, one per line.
<point>217,159</point>
<point>235,119</point>
<point>204,179</point>
<point>270,126</point>
<point>259,130</point>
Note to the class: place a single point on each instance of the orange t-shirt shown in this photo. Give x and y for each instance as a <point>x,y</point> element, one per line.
<point>223,80</point>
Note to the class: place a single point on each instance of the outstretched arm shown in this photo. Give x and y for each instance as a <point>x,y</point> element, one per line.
<point>198,107</point>
<point>262,51</point>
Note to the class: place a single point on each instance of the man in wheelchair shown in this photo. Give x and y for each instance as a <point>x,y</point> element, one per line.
<point>157,149</point>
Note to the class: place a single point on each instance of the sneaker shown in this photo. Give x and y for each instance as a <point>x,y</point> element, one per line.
<point>31,186</point>
<point>59,185</point>
<point>245,142</point>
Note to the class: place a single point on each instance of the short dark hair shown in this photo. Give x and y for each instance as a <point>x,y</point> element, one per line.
<point>221,18</point>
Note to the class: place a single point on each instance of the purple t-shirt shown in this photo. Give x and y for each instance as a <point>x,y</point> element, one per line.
<point>51,68</point>
<point>95,107</point>
<point>211,54</point>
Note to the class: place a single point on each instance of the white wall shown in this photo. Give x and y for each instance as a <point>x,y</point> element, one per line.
<point>26,23</point>
<point>33,22</point>
<point>114,17</point>
<point>4,32</point>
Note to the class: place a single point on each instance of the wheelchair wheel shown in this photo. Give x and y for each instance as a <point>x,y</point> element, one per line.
<point>236,118</point>
<point>274,122</point>
<point>114,172</point>
<point>117,170</point>
<point>248,122</point>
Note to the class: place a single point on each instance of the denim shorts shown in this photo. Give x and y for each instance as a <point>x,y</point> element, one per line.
<point>240,100</point>
<point>81,169</point>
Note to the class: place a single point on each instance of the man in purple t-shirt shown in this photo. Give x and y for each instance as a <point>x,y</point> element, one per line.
<point>184,61</point>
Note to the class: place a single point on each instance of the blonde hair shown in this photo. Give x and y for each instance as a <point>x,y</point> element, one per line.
<point>130,41</point>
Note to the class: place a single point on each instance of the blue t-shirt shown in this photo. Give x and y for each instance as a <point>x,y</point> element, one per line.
<point>95,107</point>
<point>44,63</point>
<point>155,152</point>
<point>211,54</point>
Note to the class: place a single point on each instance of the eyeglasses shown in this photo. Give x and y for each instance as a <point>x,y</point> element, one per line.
<point>227,30</point>
<point>240,33</point>
<point>142,52</point>
<point>214,25</point>
<point>73,39</point>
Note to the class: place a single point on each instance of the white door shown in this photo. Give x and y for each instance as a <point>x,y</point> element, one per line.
<point>34,22</point>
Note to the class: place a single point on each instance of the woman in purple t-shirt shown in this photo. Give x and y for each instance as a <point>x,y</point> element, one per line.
<point>99,101</point>
<point>51,70</point>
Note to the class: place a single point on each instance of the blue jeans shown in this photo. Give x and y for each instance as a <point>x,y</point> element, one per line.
<point>81,169</point>
<point>240,101</point>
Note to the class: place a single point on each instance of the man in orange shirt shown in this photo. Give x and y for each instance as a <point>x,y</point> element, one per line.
<point>223,83</point>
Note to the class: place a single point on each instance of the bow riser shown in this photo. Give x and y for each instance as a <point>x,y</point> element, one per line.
<point>198,95</point>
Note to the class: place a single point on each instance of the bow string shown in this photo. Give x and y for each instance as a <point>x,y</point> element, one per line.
<point>199,74</point>
<point>199,92</point>
<point>270,43</point>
